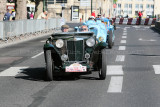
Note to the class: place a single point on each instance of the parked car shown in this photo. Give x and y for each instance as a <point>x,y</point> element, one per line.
<point>75,52</point>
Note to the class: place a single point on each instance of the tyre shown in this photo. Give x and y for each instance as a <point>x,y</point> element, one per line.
<point>102,70</point>
<point>110,43</point>
<point>49,66</point>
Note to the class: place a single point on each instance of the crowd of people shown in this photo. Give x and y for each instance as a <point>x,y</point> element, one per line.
<point>11,14</point>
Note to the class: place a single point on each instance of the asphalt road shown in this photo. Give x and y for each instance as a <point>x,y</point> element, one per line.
<point>133,80</point>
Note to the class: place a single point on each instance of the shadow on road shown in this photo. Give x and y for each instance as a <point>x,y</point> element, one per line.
<point>39,74</point>
<point>155,30</point>
<point>34,74</point>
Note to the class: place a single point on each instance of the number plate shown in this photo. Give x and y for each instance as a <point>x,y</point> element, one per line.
<point>76,67</point>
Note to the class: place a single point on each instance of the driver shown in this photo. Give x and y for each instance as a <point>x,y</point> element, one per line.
<point>65,28</point>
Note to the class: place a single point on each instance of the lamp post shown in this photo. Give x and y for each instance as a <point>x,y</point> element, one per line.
<point>91,6</point>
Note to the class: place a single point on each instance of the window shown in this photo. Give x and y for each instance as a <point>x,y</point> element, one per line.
<point>61,1</point>
<point>49,1</point>
<point>126,6</point>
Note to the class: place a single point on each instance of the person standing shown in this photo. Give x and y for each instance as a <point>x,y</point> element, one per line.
<point>140,17</point>
<point>31,15</point>
<point>93,14</point>
<point>8,16</point>
<point>43,15</point>
<point>13,15</point>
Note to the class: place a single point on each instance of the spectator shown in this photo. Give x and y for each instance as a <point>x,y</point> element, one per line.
<point>140,17</point>
<point>65,28</point>
<point>13,15</point>
<point>31,15</point>
<point>28,15</point>
<point>93,14</point>
<point>43,15</point>
<point>8,16</point>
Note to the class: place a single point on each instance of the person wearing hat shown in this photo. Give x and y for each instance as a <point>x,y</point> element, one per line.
<point>64,28</point>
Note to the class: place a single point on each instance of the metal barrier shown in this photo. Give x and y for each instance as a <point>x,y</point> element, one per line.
<point>9,29</point>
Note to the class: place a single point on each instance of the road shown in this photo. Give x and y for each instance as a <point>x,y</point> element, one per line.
<point>133,80</point>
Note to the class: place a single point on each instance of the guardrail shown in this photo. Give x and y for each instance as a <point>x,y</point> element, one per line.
<point>9,29</point>
<point>134,21</point>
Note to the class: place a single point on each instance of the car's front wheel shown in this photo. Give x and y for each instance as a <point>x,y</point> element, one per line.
<point>49,65</point>
<point>103,68</point>
<point>110,42</point>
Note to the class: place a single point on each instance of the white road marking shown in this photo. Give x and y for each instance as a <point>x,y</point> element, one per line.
<point>120,58</point>
<point>43,41</point>
<point>114,70</point>
<point>38,55</point>
<point>156,69</point>
<point>151,40</point>
<point>12,71</point>
<point>118,27</point>
<point>124,33</point>
<point>147,27</point>
<point>122,48</point>
<point>124,37</point>
<point>115,85</point>
<point>123,41</point>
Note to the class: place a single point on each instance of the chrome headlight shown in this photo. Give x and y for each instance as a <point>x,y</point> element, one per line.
<point>64,57</point>
<point>59,43</point>
<point>90,42</point>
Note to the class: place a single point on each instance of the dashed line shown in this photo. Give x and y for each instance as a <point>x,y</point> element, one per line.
<point>124,33</point>
<point>38,55</point>
<point>123,41</point>
<point>115,85</point>
<point>120,58</point>
<point>124,37</point>
<point>156,69</point>
<point>12,71</point>
<point>114,70</point>
<point>122,48</point>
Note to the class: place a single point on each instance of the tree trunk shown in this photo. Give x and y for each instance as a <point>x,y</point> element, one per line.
<point>39,8</point>
<point>21,9</point>
<point>2,9</point>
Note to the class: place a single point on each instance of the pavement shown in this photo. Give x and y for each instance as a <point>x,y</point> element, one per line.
<point>133,69</point>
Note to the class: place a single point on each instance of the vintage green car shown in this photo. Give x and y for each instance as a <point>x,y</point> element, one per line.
<point>75,52</point>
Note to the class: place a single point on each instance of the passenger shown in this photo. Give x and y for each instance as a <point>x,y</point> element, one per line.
<point>84,28</point>
<point>91,18</point>
<point>65,28</point>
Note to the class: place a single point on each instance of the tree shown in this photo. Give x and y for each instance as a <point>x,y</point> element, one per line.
<point>2,9</point>
<point>115,1</point>
<point>21,9</point>
<point>39,7</point>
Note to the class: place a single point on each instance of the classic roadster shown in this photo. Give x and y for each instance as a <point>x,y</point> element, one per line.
<point>101,30</point>
<point>75,52</point>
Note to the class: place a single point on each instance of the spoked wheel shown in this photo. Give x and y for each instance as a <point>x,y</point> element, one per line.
<point>103,65</point>
<point>49,65</point>
<point>110,42</point>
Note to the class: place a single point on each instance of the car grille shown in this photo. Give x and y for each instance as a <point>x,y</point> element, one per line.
<point>75,50</point>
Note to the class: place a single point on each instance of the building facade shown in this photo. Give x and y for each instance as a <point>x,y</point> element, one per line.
<point>104,7</point>
<point>132,7</point>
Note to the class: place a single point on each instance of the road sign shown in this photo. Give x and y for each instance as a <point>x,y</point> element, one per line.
<point>85,3</point>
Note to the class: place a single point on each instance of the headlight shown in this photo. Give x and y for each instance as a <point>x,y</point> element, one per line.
<point>64,57</point>
<point>59,43</point>
<point>90,42</point>
<point>101,39</point>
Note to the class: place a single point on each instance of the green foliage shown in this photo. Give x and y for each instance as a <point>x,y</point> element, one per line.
<point>115,1</point>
